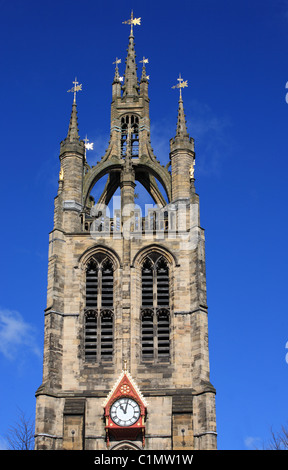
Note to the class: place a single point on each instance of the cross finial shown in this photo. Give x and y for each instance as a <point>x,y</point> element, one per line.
<point>181,84</point>
<point>144,61</point>
<point>125,365</point>
<point>76,87</point>
<point>132,21</point>
<point>117,61</point>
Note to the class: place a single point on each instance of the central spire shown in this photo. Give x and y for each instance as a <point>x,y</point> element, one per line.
<point>130,87</point>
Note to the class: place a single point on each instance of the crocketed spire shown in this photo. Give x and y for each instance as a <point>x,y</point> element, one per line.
<point>73,131</point>
<point>72,141</point>
<point>181,139</point>
<point>130,87</point>
<point>181,130</point>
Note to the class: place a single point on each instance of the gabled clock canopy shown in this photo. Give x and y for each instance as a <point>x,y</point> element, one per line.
<point>125,387</point>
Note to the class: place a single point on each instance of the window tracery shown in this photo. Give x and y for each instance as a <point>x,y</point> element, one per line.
<point>130,135</point>
<point>99,312</point>
<point>155,309</point>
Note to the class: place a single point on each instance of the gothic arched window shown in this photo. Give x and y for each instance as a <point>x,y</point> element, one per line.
<point>98,316</point>
<point>155,311</point>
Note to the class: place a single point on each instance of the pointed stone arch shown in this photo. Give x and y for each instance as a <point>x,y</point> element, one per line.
<point>126,445</point>
<point>97,250</point>
<point>145,172</point>
<point>160,249</point>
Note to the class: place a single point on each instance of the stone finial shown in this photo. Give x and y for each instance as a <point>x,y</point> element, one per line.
<point>117,76</point>
<point>144,76</point>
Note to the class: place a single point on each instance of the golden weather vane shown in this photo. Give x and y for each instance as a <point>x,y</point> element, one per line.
<point>181,84</point>
<point>88,146</point>
<point>76,87</point>
<point>132,21</point>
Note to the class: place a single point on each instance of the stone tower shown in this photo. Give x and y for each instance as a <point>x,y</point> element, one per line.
<point>126,359</point>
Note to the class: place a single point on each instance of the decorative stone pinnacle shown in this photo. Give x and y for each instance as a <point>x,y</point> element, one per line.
<point>117,77</point>
<point>144,76</point>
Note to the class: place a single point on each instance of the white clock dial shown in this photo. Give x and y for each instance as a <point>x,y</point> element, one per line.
<point>125,411</point>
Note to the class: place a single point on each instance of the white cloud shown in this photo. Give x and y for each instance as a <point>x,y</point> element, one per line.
<point>3,444</point>
<point>212,137</point>
<point>210,131</point>
<point>16,335</point>
<point>252,443</point>
<point>100,145</point>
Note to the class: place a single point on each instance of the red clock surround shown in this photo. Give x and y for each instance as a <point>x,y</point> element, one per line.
<point>125,388</point>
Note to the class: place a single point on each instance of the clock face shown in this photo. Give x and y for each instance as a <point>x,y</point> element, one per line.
<point>125,411</point>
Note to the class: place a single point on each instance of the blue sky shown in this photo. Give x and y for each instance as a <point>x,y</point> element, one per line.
<point>234,56</point>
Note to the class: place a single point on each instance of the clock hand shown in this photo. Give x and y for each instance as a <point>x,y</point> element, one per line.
<point>126,407</point>
<point>122,408</point>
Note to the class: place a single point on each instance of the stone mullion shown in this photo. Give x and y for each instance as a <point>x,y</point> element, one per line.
<point>99,289</point>
<point>155,326</point>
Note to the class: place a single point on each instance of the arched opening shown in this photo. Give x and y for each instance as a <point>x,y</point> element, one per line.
<point>155,309</point>
<point>130,136</point>
<point>125,445</point>
<point>99,311</point>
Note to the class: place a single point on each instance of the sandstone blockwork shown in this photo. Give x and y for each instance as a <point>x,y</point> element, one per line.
<point>126,320</point>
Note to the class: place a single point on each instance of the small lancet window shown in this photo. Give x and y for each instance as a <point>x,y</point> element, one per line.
<point>107,285</point>
<point>130,135</point>
<point>92,284</point>
<point>147,284</point>
<point>162,283</point>
<point>106,335</point>
<point>91,336</point>
<point>163,332</point>
<point>124,134</point>
<point>147,334</point>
